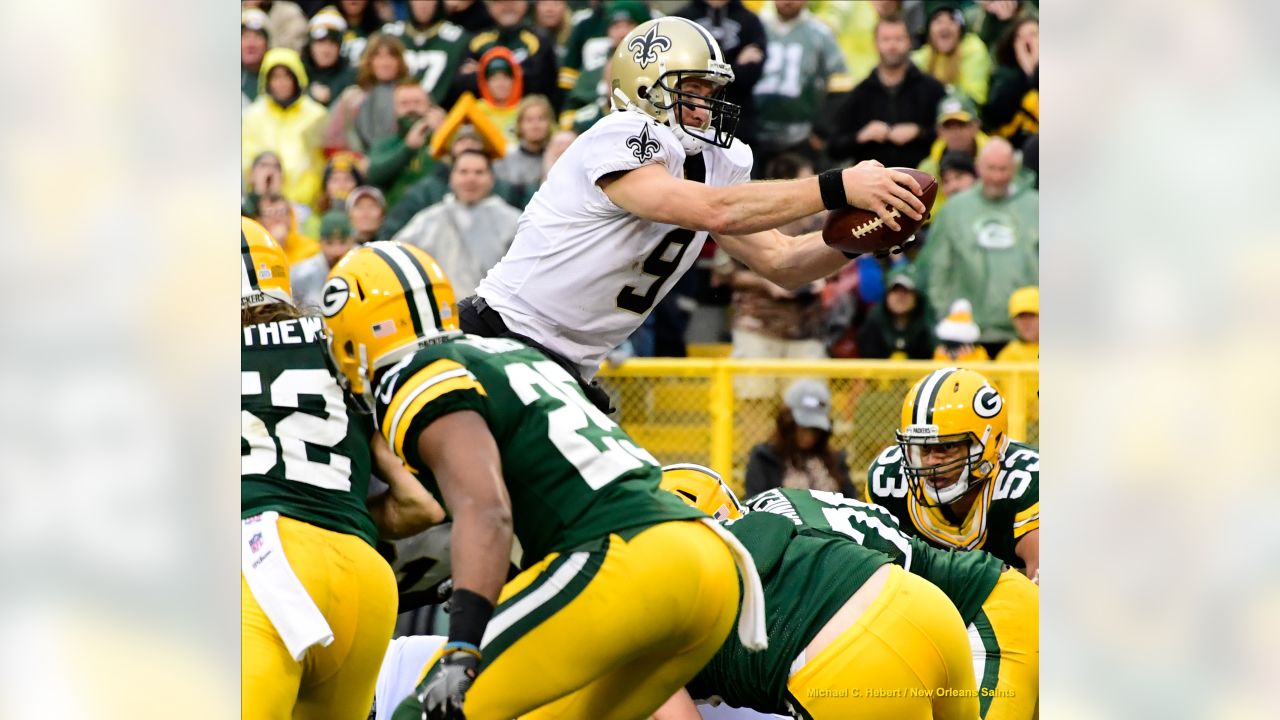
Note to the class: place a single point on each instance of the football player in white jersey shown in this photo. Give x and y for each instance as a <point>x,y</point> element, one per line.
<point>626,209</point>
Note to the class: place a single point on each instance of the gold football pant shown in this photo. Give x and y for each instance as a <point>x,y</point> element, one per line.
<point>610,631</point>
<point>906,658</point>
<point>1005,641</point>
<point>355,590</point>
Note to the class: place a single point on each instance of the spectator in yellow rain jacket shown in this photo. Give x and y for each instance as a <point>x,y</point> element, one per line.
<point>953,56</point>
<point>286,121</point>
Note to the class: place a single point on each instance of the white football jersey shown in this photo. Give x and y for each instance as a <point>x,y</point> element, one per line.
<point>582,273</point>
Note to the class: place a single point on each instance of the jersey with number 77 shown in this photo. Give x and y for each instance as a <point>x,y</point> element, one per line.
<point>1006,509</point>
<point>573,474</point>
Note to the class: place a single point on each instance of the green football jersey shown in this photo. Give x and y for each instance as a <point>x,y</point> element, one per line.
<point>1006,509</point>
<point>967,577</point>
<point>433,54</point>
<point>806,578</point>
<point>802,59</point>
<point>304,450</point>
<point>573,475</point>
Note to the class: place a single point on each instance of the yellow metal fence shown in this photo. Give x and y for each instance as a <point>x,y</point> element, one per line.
<point>687,409</point>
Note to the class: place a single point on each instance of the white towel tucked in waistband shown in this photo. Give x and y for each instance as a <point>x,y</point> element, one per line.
<point>751,629</point>
<point>277,588</point>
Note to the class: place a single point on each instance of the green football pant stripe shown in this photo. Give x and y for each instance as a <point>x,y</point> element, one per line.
<point>986,659</point>
<point>563,580</point>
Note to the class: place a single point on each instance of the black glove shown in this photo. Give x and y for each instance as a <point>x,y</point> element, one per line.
<point>445,687</point>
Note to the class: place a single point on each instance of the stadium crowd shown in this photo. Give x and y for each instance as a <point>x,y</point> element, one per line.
<point>433,122</point>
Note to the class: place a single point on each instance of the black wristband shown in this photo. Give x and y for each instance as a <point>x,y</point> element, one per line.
<point>831,185</point>
<point>469,614</point>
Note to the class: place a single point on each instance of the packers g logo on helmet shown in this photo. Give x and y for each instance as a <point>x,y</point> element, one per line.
<point>947,407</point>
<point>264,271</point>
<point>702,488</point>
<point>382,301</point>
<point>654,59</point>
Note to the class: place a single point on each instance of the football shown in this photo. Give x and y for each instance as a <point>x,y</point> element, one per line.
<point>855,230</point>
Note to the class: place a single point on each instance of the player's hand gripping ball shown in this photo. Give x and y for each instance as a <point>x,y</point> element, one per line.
<point>854,230</point>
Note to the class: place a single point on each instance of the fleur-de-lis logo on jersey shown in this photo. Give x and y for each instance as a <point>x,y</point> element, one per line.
<point>644,48</point>
<point>642,146</point>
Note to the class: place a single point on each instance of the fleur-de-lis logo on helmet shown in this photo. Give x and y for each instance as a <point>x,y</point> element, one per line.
<point>644,48</point>
<point>642,146</point>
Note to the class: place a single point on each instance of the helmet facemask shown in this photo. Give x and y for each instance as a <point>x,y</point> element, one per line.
<point>974,468</point>
<point>722,115</point>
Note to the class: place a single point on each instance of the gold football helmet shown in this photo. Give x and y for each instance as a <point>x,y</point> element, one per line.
<point>264,272</point>
<point>702,488</point>
<point>949,406</point>
<point>382,301</point>
<point>652,61</point>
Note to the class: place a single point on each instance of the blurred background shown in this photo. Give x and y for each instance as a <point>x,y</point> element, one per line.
<point>117,530</point>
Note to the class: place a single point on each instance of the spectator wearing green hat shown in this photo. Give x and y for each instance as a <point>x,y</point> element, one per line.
<point>501,86</point>
<point>958,132</point>
<point>950,54</point>
<point>330,72</point>
<point>900,327</point>
<point>308,276</point>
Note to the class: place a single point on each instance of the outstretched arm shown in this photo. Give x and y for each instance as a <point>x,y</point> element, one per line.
<point>787,260</point>
<point>652,193</point>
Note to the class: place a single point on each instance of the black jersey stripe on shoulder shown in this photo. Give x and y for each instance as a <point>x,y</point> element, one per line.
<point>414,314</point>
<point>247,259</point>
